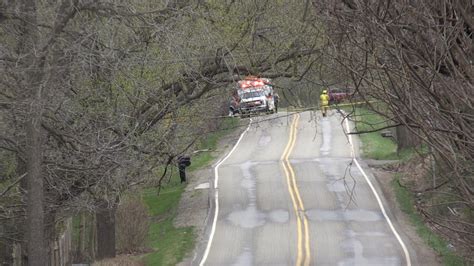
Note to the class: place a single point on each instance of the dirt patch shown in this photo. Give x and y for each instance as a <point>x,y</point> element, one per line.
<point>425,255</point>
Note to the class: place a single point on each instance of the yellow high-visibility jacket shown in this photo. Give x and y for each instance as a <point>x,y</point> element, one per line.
<point>324,99</point>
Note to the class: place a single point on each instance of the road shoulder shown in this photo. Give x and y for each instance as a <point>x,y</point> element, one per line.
<point>424,254</point>
<point>195,207</point>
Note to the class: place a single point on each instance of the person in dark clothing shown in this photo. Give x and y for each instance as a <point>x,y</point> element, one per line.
<point>183,162</point>
<point>234,105</point>
<point>276,98</point>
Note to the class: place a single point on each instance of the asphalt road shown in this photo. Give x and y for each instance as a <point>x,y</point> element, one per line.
<point>291,194</point>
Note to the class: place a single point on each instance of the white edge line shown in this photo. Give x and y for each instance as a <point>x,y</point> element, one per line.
<point>379,201</point>
<point>216,195</point>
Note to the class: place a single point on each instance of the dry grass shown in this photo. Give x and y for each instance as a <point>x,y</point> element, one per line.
<point>121,260</point>
<point>132,225</point>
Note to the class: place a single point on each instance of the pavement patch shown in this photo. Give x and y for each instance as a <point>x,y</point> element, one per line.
<point>202,186</point>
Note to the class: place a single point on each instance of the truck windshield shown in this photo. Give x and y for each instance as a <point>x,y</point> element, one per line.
<point>252,94</point>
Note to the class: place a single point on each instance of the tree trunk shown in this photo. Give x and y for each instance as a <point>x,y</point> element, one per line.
<point>82,235</point>
<point>6,247</point>
<point>37,254</point>
<point>406,138</point>
<point>22,247</point>
<point>33,83</point>
<point>93,237</point>
<point>49,233</point>
<point>105,223</point>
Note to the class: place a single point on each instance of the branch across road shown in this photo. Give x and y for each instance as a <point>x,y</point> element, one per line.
<point>281,199</point>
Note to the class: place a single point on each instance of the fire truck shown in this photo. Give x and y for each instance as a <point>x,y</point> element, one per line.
<point>255,95</point>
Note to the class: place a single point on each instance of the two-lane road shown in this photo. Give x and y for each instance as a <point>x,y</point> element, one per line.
<point>290,193</point>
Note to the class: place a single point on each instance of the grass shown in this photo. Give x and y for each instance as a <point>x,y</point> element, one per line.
<point>374,145</point>
<point>170,244</point>
<point>161,204</point>
<point>201,160</point>
<point>406,203</point>
<point>210,143</point>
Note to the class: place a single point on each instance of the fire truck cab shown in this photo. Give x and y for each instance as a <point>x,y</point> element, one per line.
<point>256,95</point>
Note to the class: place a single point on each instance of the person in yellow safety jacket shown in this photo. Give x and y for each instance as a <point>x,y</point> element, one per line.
<point>324,102</point>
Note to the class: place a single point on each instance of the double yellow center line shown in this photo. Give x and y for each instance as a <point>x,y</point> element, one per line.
<point>304,254</point>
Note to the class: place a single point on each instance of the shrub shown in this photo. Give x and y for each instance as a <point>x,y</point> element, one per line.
<point>132,225</point>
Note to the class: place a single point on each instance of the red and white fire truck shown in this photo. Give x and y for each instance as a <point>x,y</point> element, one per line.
<point>255,95</point>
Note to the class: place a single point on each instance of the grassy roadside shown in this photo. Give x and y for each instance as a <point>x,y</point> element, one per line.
<point>170,244</point>
<point>406,203</point>
<point>374,146</point>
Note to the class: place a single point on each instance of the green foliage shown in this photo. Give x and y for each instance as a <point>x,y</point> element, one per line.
<point>406,204</point>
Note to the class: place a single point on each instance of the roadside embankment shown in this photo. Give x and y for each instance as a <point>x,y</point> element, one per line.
<point>398,172</point>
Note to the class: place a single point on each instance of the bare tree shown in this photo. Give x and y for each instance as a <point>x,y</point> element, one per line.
<point>415,58</point>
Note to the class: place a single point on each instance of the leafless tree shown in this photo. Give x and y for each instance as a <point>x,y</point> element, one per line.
<point>415,57</point>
